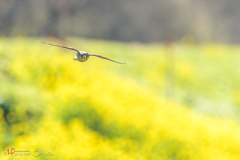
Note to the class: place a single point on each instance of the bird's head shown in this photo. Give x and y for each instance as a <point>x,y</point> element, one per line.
<point>84,57</point>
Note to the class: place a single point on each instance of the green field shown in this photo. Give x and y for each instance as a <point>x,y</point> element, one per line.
<point>175,101</point>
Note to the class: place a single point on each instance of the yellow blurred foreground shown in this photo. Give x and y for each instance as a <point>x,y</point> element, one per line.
<point>52,107</point>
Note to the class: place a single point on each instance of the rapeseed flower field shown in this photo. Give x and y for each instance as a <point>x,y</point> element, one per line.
<point>169,102</point>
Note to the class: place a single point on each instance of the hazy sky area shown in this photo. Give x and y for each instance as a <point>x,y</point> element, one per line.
<point>126,20</point>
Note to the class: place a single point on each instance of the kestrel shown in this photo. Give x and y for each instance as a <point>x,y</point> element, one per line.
<point>82,56</point>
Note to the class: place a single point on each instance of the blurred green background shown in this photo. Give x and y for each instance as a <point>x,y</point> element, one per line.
<point>177,98</point>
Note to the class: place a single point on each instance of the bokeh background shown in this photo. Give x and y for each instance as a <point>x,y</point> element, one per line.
<point>177,98</point>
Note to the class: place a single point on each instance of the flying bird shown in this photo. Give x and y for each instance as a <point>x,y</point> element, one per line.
<point>81,56</point>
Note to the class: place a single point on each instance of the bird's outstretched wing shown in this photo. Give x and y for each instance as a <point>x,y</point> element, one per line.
<point>60,46</point>
<point>96,55</point>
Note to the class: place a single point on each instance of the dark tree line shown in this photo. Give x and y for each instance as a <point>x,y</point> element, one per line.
<point>126,20</point>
